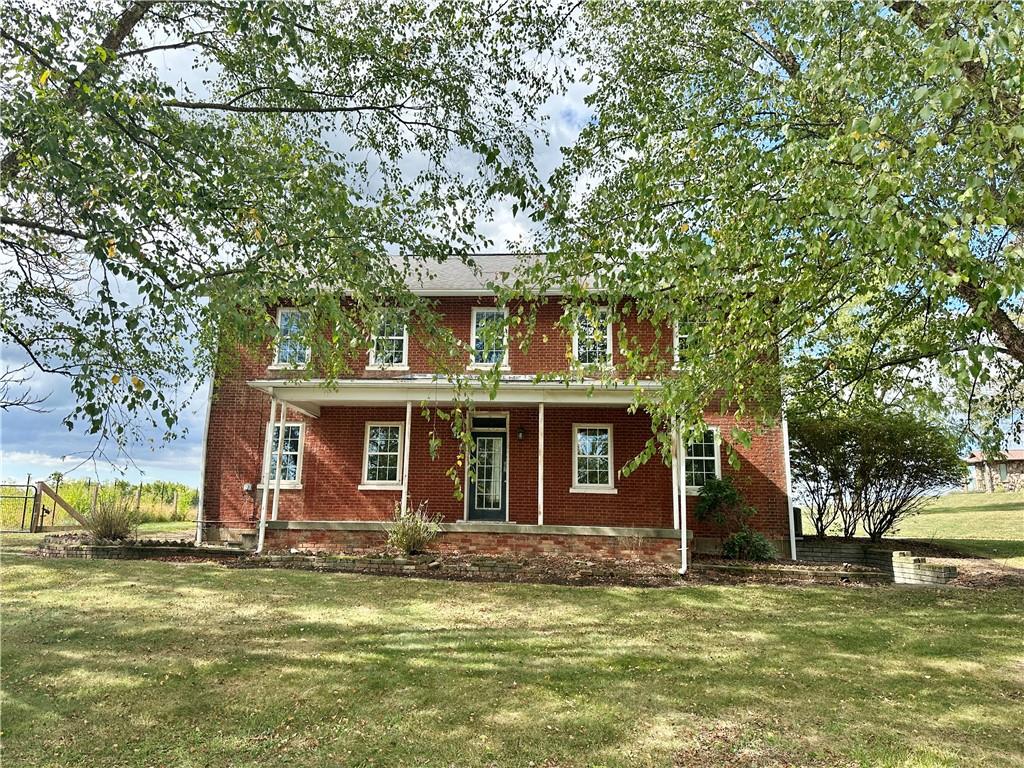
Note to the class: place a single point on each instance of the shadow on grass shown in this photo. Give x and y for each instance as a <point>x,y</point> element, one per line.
<point>254,667</point>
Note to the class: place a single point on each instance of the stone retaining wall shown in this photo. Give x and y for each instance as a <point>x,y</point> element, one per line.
<point>62,548</point>
<point>903,567</point>
<point>394,566</point>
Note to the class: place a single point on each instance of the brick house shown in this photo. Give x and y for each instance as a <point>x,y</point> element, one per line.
<point>989,474</point>
<point>546,453</point>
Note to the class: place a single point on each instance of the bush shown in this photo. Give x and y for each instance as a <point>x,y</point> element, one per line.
<point>411,530</point>
<point>748,545</point>
<point>113,519</point>
<point>871,468</point>
<point>720,502</point>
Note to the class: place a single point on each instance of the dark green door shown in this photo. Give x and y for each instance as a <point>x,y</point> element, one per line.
<point>488,477</point>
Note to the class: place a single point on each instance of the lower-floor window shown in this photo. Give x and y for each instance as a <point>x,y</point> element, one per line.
<point>383,464</point>
<point>592,451</point>
<point>702,460</point>
<point>287,455</point>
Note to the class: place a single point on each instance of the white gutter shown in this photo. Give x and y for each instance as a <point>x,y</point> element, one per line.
<point>200,517</point>
<point>789,487</point>
<point>266,479</point>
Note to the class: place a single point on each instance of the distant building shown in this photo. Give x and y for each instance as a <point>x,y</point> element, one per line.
<point>993,474</point>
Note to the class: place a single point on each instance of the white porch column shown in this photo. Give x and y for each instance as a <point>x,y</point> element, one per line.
<point>675,478</point>
<point>681,480</point>
<point>540,464</point>
<point>405,454</point>
<point>280,452</point>
<point>261,532</point>
<point>789,487</point>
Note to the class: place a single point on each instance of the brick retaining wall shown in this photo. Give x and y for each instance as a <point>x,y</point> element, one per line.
<point>901,565</point>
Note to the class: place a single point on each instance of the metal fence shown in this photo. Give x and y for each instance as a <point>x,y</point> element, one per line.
<point>16,504</point>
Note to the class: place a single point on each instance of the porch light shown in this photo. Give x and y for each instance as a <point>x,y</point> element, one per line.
<point>521,432</point>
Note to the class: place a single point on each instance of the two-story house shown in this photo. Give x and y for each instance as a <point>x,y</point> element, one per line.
<point>290,462</point>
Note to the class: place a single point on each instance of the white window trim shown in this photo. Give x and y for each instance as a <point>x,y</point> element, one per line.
<point>473,364</point>
<point>402,366</point>
<point>608,340</point>
<point>675,346</point>
<point>277,365</point>
<point>378,485</point>
<point>268,450</point>
<point>718,461</point>
<point>609,487</point>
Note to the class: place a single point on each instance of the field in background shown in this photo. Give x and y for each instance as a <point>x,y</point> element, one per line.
<point>981,524</point>
<point>158,501</point>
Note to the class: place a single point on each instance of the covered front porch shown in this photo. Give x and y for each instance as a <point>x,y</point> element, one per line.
<point>544,457</point>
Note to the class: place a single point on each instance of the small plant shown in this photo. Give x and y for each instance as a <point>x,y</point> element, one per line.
<point>114,519</point>
<point>411,530</point>
<point>748,545</point>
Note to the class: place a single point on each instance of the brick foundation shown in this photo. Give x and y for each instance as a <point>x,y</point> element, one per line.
<point>662,547</point>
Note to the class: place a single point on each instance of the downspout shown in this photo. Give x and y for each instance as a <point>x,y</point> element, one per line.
<point>675,477</point>
<point>200,517</point>
<point>405,455</point>
<point>681,480</point>
<point>266,479</point>
<point>789,487</point>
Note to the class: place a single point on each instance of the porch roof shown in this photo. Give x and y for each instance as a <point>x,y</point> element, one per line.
<point>309,395</point>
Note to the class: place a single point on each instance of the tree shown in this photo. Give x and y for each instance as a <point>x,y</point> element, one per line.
<point>871,468</point>
<point>310,154</point>
<point>820,192</point>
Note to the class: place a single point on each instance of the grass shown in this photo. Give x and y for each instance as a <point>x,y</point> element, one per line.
<point>143,663</point>
<point>987,525</point>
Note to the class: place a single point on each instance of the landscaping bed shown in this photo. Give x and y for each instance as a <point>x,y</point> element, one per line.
<point>82,546</point>
<point>563,569</point>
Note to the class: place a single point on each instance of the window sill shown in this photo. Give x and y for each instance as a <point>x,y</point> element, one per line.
<point>387,367</point>
<point>487,367</point>
<point>592,489</point>
<point>379,487</point>
<point>286,367</point>
<point>290,486</point>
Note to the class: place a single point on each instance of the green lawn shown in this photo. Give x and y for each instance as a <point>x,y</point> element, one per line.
<point>981,524</point>
<point>143,663</point>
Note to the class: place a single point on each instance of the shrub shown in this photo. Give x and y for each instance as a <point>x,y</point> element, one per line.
<point>114,519</point>
<point>748,545</point>
<point>870,467</point>
<point>721,503</point>
<point>411,530</point>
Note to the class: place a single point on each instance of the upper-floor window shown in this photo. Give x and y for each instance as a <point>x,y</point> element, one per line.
<point>592,339</point>
<point>682,341</point>
<point>292,351</point>
<point>490,336</point>
<point>390,344</point>
<point>703,460</point>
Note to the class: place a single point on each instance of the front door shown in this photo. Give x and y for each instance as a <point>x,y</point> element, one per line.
<point>487,479</point>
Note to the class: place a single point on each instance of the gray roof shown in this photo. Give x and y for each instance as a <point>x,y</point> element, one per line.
<point>456,276</point>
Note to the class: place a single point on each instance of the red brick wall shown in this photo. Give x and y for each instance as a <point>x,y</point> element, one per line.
<point>333,450</point>
<point>548,349</point>
<point>333,459</point>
